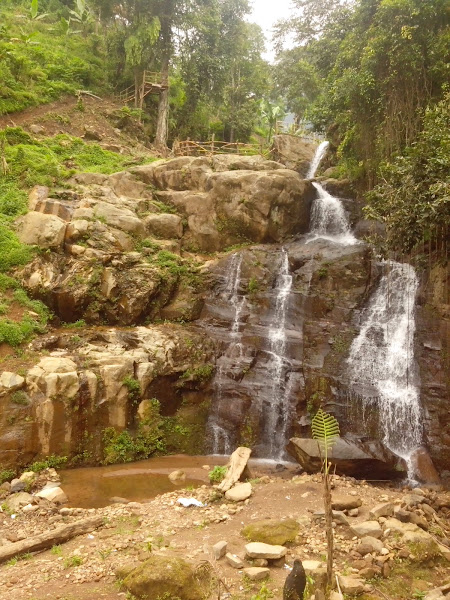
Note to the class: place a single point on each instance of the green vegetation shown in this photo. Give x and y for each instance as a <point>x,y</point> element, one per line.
<point>6,475</point>
<point>72,561</point>
<point>51,462</point>
<point>373,74</point>
<point>20,317</point>
<point>200,374</point>
<point>325,429</point>
<point>217,474</point>
<point>20,398</point>
<point>134,388</point>
<point>253,285</point>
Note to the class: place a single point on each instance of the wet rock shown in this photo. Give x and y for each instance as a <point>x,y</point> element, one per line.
<point>256,573</point>
<point>177,476</point>
<point>424,469</point>
<point>271,531</point>
<point>260,550</point>
<point>361,459</point>
<point>165,576</point>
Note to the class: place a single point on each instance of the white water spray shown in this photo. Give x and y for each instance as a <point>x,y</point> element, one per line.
<point>320,153</point>
<point>277,411</point>
<point>328,219</point>
<point>381,362</point>
<point>221,440</point>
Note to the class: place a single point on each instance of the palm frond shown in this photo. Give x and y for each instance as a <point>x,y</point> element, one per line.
<point>325,429</point>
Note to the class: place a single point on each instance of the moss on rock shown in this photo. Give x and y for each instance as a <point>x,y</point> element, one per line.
<point>272,532</point>
<point>165,577</point>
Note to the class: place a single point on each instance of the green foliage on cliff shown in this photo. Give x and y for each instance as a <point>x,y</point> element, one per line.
<point>39,62</point>
<point>20,317</point>
<point>413,198</point>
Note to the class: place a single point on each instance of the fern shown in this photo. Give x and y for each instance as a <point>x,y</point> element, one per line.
<point>325,429</point>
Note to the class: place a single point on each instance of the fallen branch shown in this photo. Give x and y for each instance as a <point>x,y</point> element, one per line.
<point>86,93</point>
<point>378,591</point>
<point>50,538</point>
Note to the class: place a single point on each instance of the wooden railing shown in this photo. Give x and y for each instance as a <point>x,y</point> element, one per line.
<point>153,82</point>
<point>189,148</point>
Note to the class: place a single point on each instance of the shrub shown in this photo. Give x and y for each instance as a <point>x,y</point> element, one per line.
<point>217,474</point>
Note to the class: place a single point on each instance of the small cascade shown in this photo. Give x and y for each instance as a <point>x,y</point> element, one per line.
<point>320,153</point>
<point>277,408</point>
<point>221,439</point>
<point>328,219</point>
<point>381,363</point>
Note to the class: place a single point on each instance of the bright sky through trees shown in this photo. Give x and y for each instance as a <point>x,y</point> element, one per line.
<point>266,13</point>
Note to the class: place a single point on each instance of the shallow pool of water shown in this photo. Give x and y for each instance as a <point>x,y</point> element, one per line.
<point>94,487</point>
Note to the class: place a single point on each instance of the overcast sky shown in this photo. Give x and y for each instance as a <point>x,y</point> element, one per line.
<point>266,13</point>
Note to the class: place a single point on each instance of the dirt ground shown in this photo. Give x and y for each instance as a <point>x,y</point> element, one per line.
<point>164,527</point>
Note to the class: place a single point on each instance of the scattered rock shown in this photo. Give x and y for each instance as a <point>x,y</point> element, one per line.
<point>370,543</point>
<point>220,549</point>
<point>386,509</point>
<point>236,467</point>
<point>239,493</point>
<point>351,585</point>
<point>54,494</point>
<point>367,528</point>
<point>17,486</point>
<point>260,550</point>
<point>234,561</point>
<point>257,573</point>
<point>36,129</point>
<point>342,502</point>
<point>17,501</point>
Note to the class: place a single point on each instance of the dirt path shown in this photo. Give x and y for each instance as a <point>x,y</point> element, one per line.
<point>169,529</point>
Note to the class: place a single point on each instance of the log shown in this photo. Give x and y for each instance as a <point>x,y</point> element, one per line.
<point>50,538</point>
<point>236,467</point>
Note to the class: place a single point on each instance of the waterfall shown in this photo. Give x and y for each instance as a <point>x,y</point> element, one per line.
<point>320,153</point>
<point>381,363</point>
<point>277,408</point>
<point>221,439</point>
<point>328,219</point>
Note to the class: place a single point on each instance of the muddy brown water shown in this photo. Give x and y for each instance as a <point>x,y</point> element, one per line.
<point>94,487</point>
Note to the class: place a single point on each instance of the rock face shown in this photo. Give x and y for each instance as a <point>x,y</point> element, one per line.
<point>369,459</point>
<point>107,379</point>
<point>227,200</point>
<point>433,356</point>
<point>294,152</point>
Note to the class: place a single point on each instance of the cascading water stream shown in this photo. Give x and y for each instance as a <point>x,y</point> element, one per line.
<point>221,439</point>
<point>328,218</point>
<point>320,153</point>
<point>381,361</point>
<point>277,409</point>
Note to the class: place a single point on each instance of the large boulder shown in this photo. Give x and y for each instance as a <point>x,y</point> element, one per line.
<point>166,577</point>
<point>294,152</point>
<point>45,231</point>
<point>272,531</point>
<point>369,460</point>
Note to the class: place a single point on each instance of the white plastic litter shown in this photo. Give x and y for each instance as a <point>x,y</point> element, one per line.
<point>189,502</point>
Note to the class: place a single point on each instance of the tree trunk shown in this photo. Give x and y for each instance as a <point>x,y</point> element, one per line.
<point>162,127</point>
<point>48,539</point>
